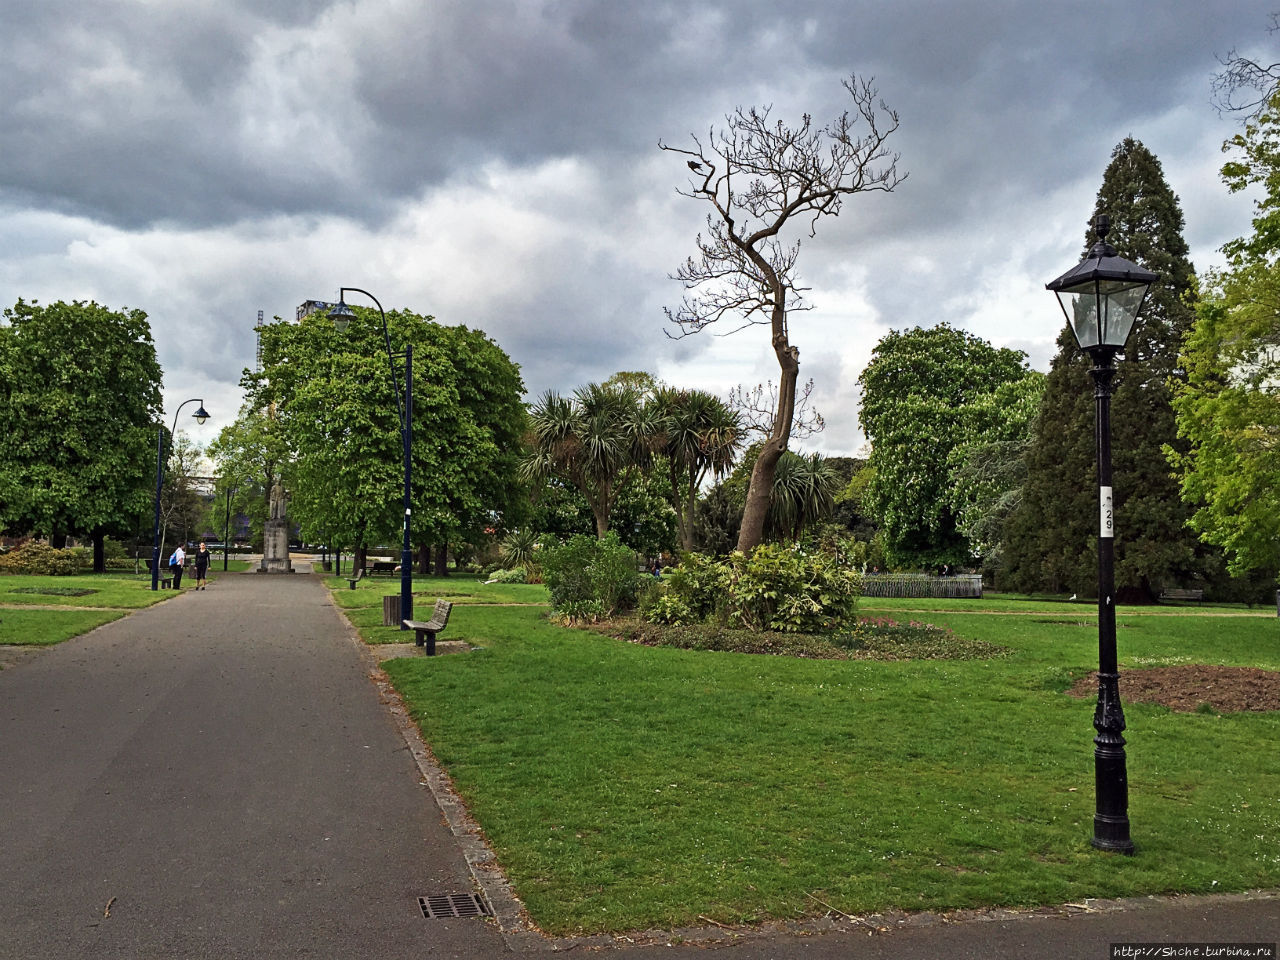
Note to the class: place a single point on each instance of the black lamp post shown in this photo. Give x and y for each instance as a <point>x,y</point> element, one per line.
<point>201,416</point>
<point>1101,298</point>
<point>342,315</point>
<point>226,528</point>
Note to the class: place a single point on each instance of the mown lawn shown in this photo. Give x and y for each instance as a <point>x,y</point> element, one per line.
<point>625,787</point>
<point>42,628</point>
<point>363,605</point>
<point>30,611</point>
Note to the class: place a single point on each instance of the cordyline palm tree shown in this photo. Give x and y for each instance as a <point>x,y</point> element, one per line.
<point>592,441</point>
<point>804,493</point>
<point>701,436</point>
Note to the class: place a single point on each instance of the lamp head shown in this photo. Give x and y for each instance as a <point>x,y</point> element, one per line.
<point>201,414</point>
<point>341,315</point>
<point>1102,295</point>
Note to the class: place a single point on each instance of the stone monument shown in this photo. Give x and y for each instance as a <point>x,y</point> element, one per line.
<point>275,534</point>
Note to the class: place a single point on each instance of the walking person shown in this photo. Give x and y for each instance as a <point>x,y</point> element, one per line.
<point>176,563</point>
<point>202,566</point>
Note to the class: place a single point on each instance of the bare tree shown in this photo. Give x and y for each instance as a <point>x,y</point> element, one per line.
<point>757,407</point>
<point>1245,86</point>
<point>757,175</point>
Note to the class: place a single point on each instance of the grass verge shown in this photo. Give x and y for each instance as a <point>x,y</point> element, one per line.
<point>119,590</point>
<point>625,786</point>
<point>42,628</point>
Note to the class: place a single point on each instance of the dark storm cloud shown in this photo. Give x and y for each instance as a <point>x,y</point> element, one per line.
<point>220,155</point>
<point>138,113</point>
<point>198,113</point>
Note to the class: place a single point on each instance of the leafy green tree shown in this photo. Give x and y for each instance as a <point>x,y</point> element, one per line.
<point>182,509</point>
<point>336,406</point>
<point>988,471</point>
<point>79,413</point>
<point>558,509</point>
<point>717,519</point>
<point>1228,409</point>
<point>850,512</point>
<point>592,441</point>
<point>925,393</point>
<point>249,455</point>
<point>1052,538</point>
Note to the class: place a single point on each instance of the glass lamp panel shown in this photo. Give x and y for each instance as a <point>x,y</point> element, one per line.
<point>341,316</point>
<point>1121,301</point>
<point>1080,304</point>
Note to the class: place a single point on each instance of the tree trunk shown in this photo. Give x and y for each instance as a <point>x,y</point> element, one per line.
<point>424,559</point>
<point>99,552</point>
<point>756,511</point>
<point>600,510</point>
<point>442,560</point>
<point>685,518</point>
<point>361,557</point>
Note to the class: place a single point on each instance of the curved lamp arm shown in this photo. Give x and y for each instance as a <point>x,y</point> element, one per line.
<point>342,315</point>
<point>201,415</point>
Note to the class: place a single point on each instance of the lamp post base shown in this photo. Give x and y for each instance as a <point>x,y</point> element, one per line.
<point>1106,837</point>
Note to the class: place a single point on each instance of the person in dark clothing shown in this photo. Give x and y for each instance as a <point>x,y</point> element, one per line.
<point>202,566</point>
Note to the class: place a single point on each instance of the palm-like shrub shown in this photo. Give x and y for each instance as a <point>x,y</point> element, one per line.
<point>701,436</point>
<point>591,440</point>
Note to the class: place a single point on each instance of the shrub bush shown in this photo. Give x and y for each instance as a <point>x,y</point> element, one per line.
<point>589,579</point>
<point>38,558</point>
<point>781,588</point>
<point>516,575</point>
<point>777,588</point>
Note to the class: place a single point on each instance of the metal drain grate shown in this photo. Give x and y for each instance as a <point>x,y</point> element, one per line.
<point>453,905</point>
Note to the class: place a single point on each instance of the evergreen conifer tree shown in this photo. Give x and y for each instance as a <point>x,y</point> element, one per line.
<point>1053,537</point>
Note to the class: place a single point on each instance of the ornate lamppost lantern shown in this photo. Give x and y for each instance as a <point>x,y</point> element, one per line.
<point>1102,297</point>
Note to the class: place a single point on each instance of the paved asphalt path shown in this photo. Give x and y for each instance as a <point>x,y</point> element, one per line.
<point>216,777</point>
<point>220,771</point>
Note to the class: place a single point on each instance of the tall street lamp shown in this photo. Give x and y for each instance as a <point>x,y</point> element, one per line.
<point>201,416</point>
<point>226,527</point>
<point>1101,298</point>
<point>342,315</point>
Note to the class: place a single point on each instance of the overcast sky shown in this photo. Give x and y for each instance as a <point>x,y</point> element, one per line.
<point>494,163</point>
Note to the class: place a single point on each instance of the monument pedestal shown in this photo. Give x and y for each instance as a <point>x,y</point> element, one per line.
<point>275,548</point>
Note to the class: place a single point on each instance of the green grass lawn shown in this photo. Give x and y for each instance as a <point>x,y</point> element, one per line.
<point>625,786</point>
<point>363,605</point>
<point>118,590</point>
<point>41,628</point>
<point>40,623</point>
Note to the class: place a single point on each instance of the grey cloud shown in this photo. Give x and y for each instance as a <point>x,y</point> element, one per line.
<point>214,123</point>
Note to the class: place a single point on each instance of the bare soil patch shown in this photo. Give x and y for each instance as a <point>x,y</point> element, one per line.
<point>1194,686</point>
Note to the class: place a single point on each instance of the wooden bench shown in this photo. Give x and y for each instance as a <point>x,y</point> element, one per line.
<point>165,578</point>
<point>382,566</point>
<point>429,628</point>
<point>1182,594</point>
<point>354,580</point>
